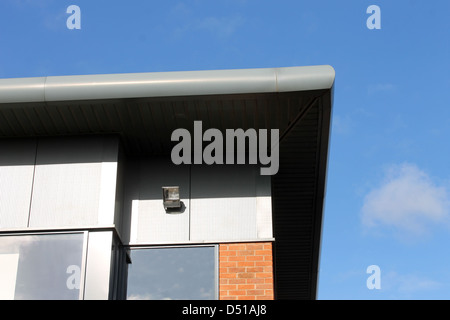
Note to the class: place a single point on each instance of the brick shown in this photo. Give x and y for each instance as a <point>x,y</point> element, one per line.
<point>246,297</point>
<point>255,280</point>
<point>255,246</point>
<point>237,270</point>
<point>237,281</point>
<point>255,292</point>
<point>263,252</point>
<point>226,264</point>
<point>236,292</point>
<point>264,275</point>
<point>247,263</point>
<point>228,287</point>
<point>246,275</point>
<point>245,253</point>
<point>268,269</point>
<point>237,258</point>
<point>263,286</point>
<point>255,269</point>
<point>237,247</point>
<point>245,286</point>
<point>228,253</point>
<point>227,275</point>
<point>254,258</point>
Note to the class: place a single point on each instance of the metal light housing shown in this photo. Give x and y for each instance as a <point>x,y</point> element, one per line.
<point>171,197</point>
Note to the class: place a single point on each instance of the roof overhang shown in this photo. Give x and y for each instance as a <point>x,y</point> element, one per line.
<point>145,108</point>
<point>165,84</point>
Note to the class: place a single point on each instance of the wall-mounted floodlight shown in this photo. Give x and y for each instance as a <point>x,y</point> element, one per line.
<point>171,197</point>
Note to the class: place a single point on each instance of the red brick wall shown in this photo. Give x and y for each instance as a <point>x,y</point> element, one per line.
<point>246,271</point>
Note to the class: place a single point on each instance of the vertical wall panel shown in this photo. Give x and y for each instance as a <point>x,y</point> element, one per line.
<point>16,177</point>
<point>98,266</point>
<point>152,223</point>
<point>74,183</point>
<point>223,202</point>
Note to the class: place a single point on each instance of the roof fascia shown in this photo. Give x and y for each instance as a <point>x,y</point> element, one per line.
<point>165,84</point>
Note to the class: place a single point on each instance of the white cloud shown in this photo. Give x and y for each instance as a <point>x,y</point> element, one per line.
<point>408,202</point>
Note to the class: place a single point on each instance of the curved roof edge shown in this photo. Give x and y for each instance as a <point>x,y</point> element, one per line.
<point>162,84</point>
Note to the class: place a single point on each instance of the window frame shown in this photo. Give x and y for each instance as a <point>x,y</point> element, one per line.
<point>85,240</point>
<point>166,246</point>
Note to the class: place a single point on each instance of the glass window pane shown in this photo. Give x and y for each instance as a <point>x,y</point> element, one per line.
<point>172,273</point>
<point>46,266</point>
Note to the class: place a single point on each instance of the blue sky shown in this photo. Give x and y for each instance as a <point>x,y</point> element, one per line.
<point>388,190</point>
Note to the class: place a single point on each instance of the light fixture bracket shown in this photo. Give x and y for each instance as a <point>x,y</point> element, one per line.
<point>171,197</point>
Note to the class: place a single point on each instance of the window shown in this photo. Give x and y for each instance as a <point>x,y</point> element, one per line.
<point>173,273</point>
<point>42,266</point>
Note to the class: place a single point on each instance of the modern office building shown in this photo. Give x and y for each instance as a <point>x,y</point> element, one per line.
<point>131,185</point>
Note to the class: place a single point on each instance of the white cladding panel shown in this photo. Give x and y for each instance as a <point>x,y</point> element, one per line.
<point>221,203</point>
<point>74,182</point>
<point>150,221</point>
<point>98,266</point>
<point>16,178</point>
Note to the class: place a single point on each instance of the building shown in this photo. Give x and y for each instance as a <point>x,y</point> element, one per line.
<point>83,163</point>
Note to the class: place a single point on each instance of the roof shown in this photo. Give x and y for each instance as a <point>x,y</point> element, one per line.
<point>145,108</point>
<point>169,84</point>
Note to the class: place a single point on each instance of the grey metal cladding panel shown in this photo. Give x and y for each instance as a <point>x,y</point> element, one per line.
<point>154,224</point>
<point>16,178</point>
<point>223,202</point>
<point>294,221</point>
<point>67,182</point>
